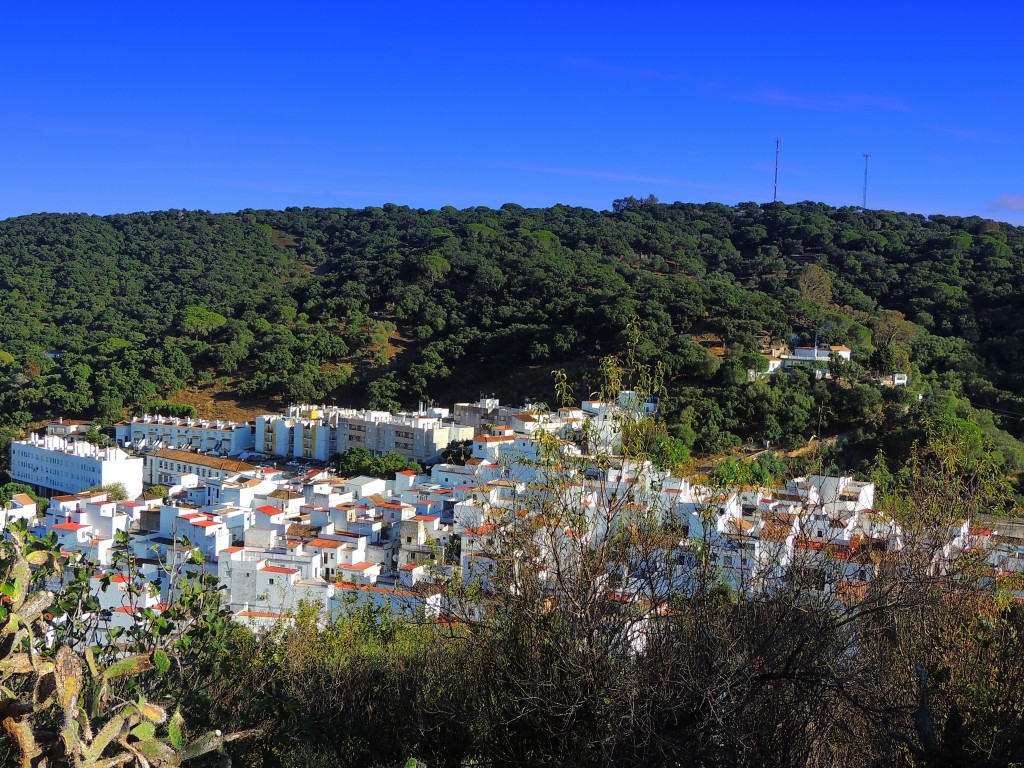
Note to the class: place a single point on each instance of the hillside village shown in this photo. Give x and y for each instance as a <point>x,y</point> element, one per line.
<point>280,528</point>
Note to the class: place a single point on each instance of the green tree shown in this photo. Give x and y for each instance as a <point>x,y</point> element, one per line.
<point>114,491</point>
<point>198,321</point>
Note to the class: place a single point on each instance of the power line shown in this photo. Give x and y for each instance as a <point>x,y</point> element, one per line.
<point>1000,411</point>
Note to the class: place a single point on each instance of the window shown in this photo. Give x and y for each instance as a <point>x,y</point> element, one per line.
<point>271,582</point>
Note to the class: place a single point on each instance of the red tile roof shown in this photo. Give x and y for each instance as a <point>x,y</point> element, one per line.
<point>117,578</point>
<point>279,569</point>
<point>69,527</point>
<point>325,543</point>
<point>187,457</point>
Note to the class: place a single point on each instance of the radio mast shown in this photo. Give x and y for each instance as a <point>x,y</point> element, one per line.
<point>865,200</point>
<point>778,145</point>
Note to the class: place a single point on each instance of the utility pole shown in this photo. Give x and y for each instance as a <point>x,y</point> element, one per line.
<point>865,201</point>
<point>778,145</point>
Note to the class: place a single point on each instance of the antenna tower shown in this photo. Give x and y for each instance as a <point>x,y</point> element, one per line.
<point>778,146</point>
<point>864,203</point>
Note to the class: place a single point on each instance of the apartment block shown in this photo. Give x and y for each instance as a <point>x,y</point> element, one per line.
<point>53,464</point>
<point>166,464</point>
<point>226,438</point>
<point>317,432</point>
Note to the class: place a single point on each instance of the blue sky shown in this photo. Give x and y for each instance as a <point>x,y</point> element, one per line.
<point>117,107</point>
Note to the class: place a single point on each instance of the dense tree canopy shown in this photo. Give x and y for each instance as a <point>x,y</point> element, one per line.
<point>389,306</point>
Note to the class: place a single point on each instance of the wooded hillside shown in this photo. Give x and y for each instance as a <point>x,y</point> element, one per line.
<point>389,306</point>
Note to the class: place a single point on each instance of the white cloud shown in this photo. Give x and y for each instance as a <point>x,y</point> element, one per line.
<point>825,102</point>
<point>1007,203</point>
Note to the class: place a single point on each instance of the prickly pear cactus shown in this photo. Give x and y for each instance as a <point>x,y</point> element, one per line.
<point>57,704</point>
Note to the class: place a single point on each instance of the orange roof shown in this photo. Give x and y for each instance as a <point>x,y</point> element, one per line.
<point>325,543</point>
<point>266,509</point>
<point>808,544</point>
<point>407,472</point>
<point>231,550</point>
<point>117,578</point>
<point>279,569</point>
<point>740,524</point>
<point>358,566</point>
<point>286,495</point>
<point>852,591</point>
<point>775,531</point>
<point>69,527</point>
<point>187,457</point>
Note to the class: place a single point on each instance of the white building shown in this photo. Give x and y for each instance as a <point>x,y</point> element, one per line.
<point>21,507</point>
<point>53,464</point>
<point>166,464</point>
<point>318,432</point>
<point>815,356</point>
<point>69,429</point>
<point>273,580</point>
<point>226,438</point>
<point>483,413</point>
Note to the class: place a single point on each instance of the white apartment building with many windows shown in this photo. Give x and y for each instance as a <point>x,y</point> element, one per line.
<point>163,466</point>
<point>146,432</point>
<point>318,432</point>
<point>52,464</point>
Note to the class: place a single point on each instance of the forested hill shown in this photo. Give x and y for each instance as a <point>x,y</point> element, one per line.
<point>387,306</point>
